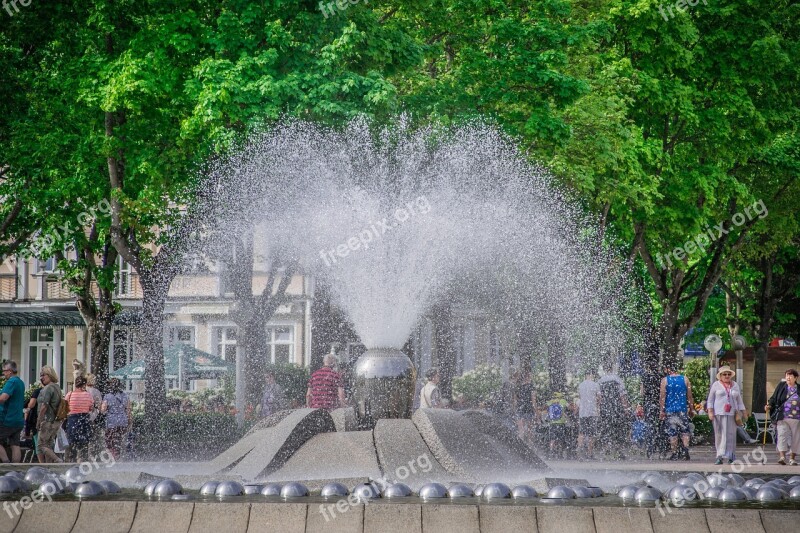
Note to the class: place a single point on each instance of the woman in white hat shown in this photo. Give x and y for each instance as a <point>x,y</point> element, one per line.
<point>725,411</point>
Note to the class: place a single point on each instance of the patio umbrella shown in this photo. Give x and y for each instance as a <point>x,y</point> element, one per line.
<point>181,362</point>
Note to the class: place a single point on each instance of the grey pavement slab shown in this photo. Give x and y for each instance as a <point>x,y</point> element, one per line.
<point>277,444</point>
<point>9,520</point>
<point>774,521</point>
<point>332,455</point>
<point>391,518</point>
<point>154,515</point>
<point>469,453</point>
<point>52,517</point>
<point>565,519</point>
<point>679,520</point>
<point>622,520</point>
<point>283,517</point>
<point>105,517</point>
<point>403,455</point>
<point>501,518</point>
<point>349,521</point>
<point>728,520</point>
<point>450,518</point>
<point>216,518</point>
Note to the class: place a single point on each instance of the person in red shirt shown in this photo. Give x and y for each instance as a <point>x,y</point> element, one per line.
<point>79,430</point>
<point>325,388</point>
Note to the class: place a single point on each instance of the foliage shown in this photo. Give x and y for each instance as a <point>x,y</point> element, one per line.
<point>293,379</point>
<point>29,391</point>
<point>478,386</point>
<point>633,388</point>
<point>702,426</point>
<point>187,436</point>
<point>697,372</point>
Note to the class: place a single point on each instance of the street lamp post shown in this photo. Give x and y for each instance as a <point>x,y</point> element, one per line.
<point>739,344</point>
<point>713,344</point>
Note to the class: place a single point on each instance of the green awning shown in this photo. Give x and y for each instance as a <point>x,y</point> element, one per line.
<point>40,319</point>
<point>50,319</point>
<point>197,364</point>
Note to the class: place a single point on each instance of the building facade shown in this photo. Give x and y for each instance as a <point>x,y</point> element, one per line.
<point>40,325</point>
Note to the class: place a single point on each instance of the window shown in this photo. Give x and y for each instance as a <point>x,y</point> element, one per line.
<point>49,265</point>
<point>225,342</point>
<point>124,278</point>
<point>280,340</point>
<point>180,335</point>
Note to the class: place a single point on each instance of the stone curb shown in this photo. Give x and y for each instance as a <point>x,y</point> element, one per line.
<point>380,517</point>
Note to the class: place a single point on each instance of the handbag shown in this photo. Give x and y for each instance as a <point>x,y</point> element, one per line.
<point>62,442</point>
<point>63,409</point>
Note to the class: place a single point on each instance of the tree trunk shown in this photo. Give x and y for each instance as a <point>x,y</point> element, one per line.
<point>150,341</point>
<point>445,354</point>
<point>255,344</point>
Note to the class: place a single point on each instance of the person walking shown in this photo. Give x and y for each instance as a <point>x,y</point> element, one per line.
<point>430,397</point>
<point>96,418</point>
<point>675,401</point>
<point>326,388</point>
<point>614,419</point>
<point>116,407</point>
<point>12,420</point>
<point>31,422</point>
<point>524,404</point>
<point>725,411</point>
<point>784,410</point>
<point>588,414</point>
<point>79,430</point>
<point>272,400</point>
<point>48,402</point>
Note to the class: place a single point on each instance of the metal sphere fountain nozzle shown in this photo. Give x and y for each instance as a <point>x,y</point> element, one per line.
<point>384,386</point>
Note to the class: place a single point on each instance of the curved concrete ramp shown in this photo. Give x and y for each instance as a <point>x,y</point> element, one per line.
<point>330,456</point>
<point>468,452</point>
<point>489,425</point>
<point>274,446</point>
<point>230,457</point>
<point>404,457</point>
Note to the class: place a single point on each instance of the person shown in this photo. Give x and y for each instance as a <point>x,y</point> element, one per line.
<point>272,399</point>
<point>325,386</point>
<point>676,406</point>
<point>31,422</point>
<point>524,399</point>
<point>725,407</point>
<point>116,406</point>
<point>96,418</point>
<point>588,414</point>
<point>48,402</point>
<point>557,422</point>
<point>430,397</point>
<point>12,421</point>
<point>614,423</point>
<point>79,429</point>
<point>784,410</point>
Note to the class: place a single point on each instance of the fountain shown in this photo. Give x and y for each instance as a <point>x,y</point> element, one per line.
<point>384,388</point>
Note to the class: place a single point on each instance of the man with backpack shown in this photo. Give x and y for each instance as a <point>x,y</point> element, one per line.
<point>49,423</point>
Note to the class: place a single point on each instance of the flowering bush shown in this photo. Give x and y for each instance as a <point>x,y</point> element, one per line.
<point>479,386</point>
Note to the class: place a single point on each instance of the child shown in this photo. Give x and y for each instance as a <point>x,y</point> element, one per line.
<point>557,422</point>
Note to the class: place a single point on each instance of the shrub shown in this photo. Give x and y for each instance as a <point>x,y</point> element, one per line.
<point>697,372</point>
<point>187,436</point>
<point>702,426</point>
<point>293,379</point>
<point>479,386</point>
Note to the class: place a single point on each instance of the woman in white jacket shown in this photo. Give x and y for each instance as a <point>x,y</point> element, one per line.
<point>725,411</point>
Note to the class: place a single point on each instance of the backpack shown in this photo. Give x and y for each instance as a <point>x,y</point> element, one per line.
<point>555,411</point>
<point>63,409</point>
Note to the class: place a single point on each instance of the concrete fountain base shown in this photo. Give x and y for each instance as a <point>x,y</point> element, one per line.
<point>379,517</point>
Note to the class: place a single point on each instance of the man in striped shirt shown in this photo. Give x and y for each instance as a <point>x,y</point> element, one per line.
<point>325,387</point>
